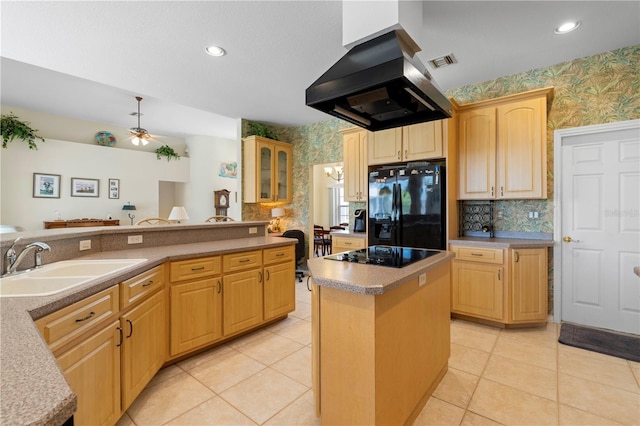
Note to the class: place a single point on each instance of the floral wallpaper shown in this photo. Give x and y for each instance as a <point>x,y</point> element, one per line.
<point>598,89</point>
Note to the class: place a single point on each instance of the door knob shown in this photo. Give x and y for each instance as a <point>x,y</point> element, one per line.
<point>568,239</point>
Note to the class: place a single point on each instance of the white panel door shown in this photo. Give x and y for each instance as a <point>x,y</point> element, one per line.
<point>600,228</point>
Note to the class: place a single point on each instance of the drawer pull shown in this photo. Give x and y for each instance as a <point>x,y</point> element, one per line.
<point>347,243</point>
<point>130,328</point>
<point>244,260</point>
<point>200,268</point>
<point>86,318</point>
<point>477,254</point>
<point>148,284</point>
<point>280,254</point>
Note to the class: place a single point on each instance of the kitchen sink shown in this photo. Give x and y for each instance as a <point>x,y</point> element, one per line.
<point>59,276</point>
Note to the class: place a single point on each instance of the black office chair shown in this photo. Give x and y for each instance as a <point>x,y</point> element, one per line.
<point>299,235</point>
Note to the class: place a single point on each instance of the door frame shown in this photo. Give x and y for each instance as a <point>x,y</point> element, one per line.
<point>558,138</point>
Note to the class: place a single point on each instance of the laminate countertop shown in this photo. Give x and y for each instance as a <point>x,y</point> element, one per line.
<point>34,390</point>
<point>370,279</point>
<point>501,242</point>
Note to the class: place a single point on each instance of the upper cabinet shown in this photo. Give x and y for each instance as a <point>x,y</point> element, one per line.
<point>356,179</point>
<point>267,168</point>
<point>502,147</point>
<point>409,143</point>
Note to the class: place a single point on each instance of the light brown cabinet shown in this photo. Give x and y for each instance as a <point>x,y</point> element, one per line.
<point>92,369</point>
<point>267,170</point>
<point>144,345</point>
<point>279,271</point>
<point>356,178</point>
<point>242,291</point>
<point>409,143</point>
<point>502,147</point>
<point>196,303</point>
<point>340,243</point>
<point>507,286</point>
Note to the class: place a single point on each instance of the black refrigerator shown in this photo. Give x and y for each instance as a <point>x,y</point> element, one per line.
<point>407,206</point>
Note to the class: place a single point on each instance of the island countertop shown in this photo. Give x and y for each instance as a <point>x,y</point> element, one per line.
<point>370,279</point>
<point>501,242</point>
<point>34,390</point>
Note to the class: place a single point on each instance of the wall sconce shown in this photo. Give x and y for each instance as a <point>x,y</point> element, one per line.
<point>129,206</point>
<point>277,213</point>
<point>336,172</point>
<point>178,214</point>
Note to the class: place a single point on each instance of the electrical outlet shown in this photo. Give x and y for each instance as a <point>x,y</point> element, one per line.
<point>530,215</point>
<point>134,239</point>
<point>85,245</point>
<point>422,279</point>
<point>500,214</point>
<point>253,230</point>
<point>536,215</point>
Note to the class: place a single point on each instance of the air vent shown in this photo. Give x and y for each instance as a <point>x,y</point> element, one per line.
<point>443,61</point>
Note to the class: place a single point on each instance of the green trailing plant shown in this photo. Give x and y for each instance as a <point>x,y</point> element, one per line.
<point>167,151</point>
<point>260,129</point>
<point>12,128</point>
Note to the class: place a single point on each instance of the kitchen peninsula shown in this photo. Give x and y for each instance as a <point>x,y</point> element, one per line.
<point>225,261</point>
<point>380,338</point>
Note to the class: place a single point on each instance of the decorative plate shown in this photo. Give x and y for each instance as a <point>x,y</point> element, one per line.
<point>105,138</point>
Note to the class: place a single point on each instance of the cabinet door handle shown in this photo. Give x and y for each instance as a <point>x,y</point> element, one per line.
<point>499,279</point>
<point>502,191</point>
<point>120,331</point>
<point>406,154</point>
<point>91,314</point>
<point>516,256</point>
<point>219,287</point>
<point>259,277</point>
<point>268,275</point>
<point>492,191</point>
<point>398,155</point>
<point>130,328</point>
<point>148,284</point>
<point>200,268</point>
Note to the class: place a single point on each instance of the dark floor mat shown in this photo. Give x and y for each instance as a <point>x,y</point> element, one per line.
<point>620,345</point>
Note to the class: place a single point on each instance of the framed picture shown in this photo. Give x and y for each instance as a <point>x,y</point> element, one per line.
<point>114,188</point>
<point>46,185</point>
<point>81,187</point>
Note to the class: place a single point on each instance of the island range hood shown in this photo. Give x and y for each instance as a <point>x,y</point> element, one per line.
<point>379,84</point>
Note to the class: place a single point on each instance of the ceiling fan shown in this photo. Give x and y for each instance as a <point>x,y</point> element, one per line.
<point>139,134</point>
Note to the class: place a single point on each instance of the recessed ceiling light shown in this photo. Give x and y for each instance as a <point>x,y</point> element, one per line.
<point>215,50</point>
<point>567,27</point>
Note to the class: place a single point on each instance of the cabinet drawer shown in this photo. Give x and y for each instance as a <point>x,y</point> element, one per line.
<point>68,323</point>
<point>279,254</point>
<point>138,287</point>
<point>347,243</point>
<point>479,254</point>
<point>183,270</point>
<point>240,261</point>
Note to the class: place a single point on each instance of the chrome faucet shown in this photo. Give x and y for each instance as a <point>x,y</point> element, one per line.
<point>13,259</point>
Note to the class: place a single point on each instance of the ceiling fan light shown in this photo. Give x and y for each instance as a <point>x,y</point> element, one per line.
<point>135,141</point>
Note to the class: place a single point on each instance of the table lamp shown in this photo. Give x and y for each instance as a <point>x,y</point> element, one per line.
<point>277,212</point>
<point>129,206</point>
<point>178,214</point>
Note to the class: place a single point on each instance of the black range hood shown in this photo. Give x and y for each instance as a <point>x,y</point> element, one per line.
<point>379,85</point>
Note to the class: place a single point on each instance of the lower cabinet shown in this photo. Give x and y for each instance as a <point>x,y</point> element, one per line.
<point>144,345</point>
<point>508,286</point>
<point>279,272</point>
<point>242,300</point>
<point>92,369</point>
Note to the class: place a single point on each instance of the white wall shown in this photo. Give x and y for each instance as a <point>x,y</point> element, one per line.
<point>207,154</point>
<point>139,174</point>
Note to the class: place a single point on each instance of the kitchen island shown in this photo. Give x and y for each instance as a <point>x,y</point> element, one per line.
<point>380,338</point>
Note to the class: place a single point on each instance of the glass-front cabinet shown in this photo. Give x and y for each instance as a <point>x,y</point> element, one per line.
<point>267,165</point>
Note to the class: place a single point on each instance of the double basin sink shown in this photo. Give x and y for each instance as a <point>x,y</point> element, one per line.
<point>60,276</point>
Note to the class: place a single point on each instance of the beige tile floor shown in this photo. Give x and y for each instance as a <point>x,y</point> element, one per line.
<point>510,377</point>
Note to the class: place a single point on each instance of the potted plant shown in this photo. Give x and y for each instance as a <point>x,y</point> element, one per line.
<point>167,151</point>
<point>12,128</point>
<point>259,129</point>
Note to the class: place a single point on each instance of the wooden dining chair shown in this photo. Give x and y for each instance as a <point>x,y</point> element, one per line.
<point>219,218</point>
<point>153,221</point>
<point>321,244</point>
